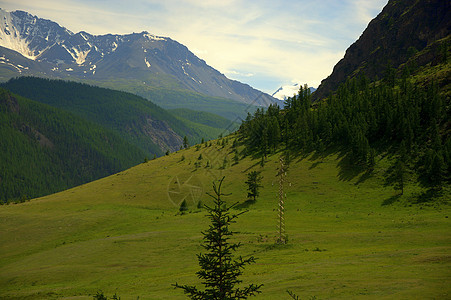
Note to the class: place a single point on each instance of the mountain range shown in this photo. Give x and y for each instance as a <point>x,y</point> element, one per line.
<point>37,142</point>
<point>136,62</point>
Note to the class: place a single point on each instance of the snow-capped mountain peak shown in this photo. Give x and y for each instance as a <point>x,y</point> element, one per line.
<point>153,37</point>
<point>11,38</point>
<point>288,91</point>
<point>33,46</point>
<point>29,35</point>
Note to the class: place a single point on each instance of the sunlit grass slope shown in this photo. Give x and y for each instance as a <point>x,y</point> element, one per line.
<point>349,236</point>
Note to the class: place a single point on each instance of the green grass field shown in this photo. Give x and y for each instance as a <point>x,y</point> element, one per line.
<point>349,236</point>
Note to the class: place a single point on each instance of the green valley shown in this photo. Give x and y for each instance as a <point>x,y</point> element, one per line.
<point>96,132</point>
<point>349,236</point>
<point>341,194</point>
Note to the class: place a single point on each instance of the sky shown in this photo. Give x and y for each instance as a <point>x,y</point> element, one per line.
<point>266,44</point>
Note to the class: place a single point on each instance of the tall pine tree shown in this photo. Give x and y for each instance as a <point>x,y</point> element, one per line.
<point>220,272</point>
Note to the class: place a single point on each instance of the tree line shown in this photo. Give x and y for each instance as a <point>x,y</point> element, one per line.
<point>362,119</point>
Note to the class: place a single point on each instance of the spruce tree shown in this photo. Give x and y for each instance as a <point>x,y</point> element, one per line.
<point>220,271</point>
<point>183,207</point>
<point>436,170</point>
<point>253,184</point>
<point>399,175</point>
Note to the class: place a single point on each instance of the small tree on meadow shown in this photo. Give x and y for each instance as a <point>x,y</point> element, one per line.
<point>399,175</point>
<point>220,272</point>
<point>236,158</point>
<point>183,207</point>
<point>253,185</point>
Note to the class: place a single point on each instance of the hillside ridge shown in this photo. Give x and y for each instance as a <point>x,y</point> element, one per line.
<point>396,34</point>
<point>44,150</point>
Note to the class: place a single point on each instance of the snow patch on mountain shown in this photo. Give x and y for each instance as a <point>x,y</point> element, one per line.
<point>153,37</point>
<point>184,71</point>
<point>10,37</point>
<point>83,36</point>
<point>78,56</point>
<point>81,56</point>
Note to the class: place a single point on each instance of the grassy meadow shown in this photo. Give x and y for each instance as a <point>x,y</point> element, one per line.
<point>350,237</point>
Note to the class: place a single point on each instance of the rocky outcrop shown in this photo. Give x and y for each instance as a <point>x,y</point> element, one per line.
<point>10,103</point>
<point>162,134</point>
<point>397,33</point>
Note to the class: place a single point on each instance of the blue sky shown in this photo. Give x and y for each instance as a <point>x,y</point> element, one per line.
<point>265,44</point>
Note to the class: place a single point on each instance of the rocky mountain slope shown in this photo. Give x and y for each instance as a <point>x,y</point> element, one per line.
<point>402,29</point>
<point>33,46</point>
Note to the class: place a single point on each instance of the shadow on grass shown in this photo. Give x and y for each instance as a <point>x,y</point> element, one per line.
<point>349,170</point>
<point>431,195</point>
<point>364,177</point>
<point>273,246</point>
<point>391,200</point>
<point>301,155</point>
<point>428,196</point>
<point>314,165</point>
<point>245,204</point>
<point>316,156</point>
<point>323,154</point>
<point>251,167</point>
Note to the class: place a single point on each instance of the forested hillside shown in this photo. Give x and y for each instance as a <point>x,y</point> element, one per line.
<point>364,121</point>
<point>206,118</point>
<point>140,122</point>
<point>388,97</point>
<point>44,149</point>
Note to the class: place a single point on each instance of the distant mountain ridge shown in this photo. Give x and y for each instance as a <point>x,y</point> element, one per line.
<point>49,50</point>
<point>402,29</point>
<point>138,121</point>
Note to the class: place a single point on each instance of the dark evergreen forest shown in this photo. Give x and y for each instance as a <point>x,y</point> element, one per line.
<point>45,150</point>
<point>362,120</point>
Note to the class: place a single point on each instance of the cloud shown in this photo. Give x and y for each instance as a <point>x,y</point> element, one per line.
<point>263,43</point>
